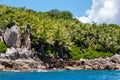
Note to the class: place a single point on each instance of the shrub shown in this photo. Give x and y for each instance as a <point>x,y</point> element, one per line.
<point>92,54</point>
<point>3,47</point>
<point>76,53</point>
<point>50,50</point>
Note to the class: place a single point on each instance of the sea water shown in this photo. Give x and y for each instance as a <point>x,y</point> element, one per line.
<point>62,75</point>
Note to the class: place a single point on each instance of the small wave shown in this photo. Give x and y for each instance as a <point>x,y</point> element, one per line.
<point>11,70</point>
<point>35,70</point>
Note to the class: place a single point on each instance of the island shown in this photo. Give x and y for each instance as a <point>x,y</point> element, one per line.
<point>32,41</point>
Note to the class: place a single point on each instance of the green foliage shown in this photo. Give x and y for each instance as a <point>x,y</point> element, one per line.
<point>76,54</point>
<point>66,15</point>
<point>60,14</point>
<point>91,54</point>
<point>54,13</point>
<point>50,50</point>
<point>3,47</point>
<point>65,34</point>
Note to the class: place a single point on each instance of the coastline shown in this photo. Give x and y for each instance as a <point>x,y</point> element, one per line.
<point>20,57</point>
<point>38,65</point>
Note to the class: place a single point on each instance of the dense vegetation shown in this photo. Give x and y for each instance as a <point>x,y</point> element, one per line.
<point>57,32</point>
<point>3,47</point>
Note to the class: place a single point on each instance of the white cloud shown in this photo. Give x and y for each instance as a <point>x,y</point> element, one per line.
<point>103,11</point>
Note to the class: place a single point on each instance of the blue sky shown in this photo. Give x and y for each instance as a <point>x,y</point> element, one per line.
<point>77,7</point>
<point>87,11</point>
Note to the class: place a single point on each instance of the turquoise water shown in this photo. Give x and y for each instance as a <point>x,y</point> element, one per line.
<point>62,75</point>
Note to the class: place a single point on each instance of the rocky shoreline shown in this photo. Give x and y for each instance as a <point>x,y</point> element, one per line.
<point>25,62</point>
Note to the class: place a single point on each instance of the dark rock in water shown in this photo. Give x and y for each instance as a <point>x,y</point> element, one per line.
<point>12,37</point>
<point>116,58</point>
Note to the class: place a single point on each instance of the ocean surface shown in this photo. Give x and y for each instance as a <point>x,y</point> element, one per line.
<point>62,75</point>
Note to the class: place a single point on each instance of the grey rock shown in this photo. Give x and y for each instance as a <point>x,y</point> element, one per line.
<point>1,32</point>
<point>51,56</point>
<point>12,54</point>
<point>1,38</point>
<point>109,66</point>
<point>26,43</point>
<point>61,59</point>
<point>115,58</point>
<point>1,67</point>
<point>69,68</point>
<point>12,37</point>
<point>87,67</point>
<point>17,53</point>
<point>2,55</point>
<point>1,35</point>
<point>83,61</point>
<point>117,66</point>
<point>24,53</point>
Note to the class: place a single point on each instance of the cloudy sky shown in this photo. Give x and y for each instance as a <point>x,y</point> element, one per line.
<point>87,11</point>
<point>103,11</point>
